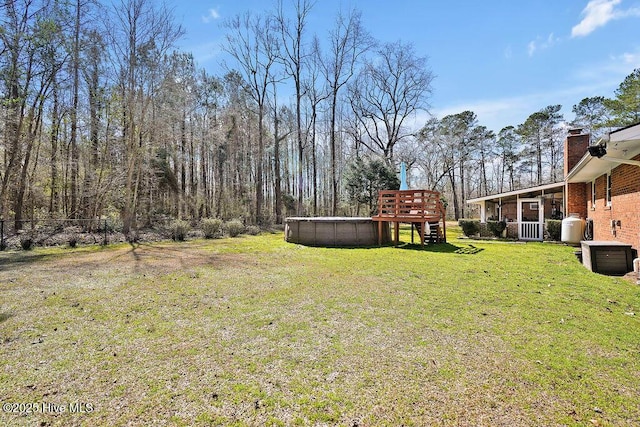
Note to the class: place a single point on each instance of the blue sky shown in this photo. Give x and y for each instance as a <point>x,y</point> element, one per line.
<point>502,59</point>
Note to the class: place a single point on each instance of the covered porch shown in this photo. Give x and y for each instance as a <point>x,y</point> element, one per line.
<point>525,211</point>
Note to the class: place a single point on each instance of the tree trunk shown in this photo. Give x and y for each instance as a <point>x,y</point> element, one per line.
<point>259,179</point>
<point>74,113</point>
<point>332,142</point>
<point>314,162</point>
<point>55,120</point>
<point>183,168</point>
<point>454,193</point>
<point>461,171</point>
<point>278,179</point>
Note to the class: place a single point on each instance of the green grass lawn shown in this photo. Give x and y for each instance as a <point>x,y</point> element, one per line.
<point>257,331</point>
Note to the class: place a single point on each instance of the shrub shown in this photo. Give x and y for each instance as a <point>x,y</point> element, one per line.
<point>179,230</point>
<point>554,229</point>
<point>470,227</point>
<point>211,227</point>
<point>26,242</point>
<point>234,228</point>
<point>496,227</point>
<point>253,230</point>
<point>289,202</point>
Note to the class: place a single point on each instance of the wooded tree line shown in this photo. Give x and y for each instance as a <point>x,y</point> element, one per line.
<point>104,117</point>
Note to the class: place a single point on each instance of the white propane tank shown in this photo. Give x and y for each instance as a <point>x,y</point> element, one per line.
<point>572,229</point>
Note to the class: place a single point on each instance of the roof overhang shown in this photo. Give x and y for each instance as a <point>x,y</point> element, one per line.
<point>622,146</point>
<point>541,188</point>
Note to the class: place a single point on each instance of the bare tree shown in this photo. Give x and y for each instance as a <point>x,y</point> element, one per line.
<point>435,157</point>
<point>457,131</point>
<point>280,115</point>
<point>142,31</point>
<point>253,43</point>
<point>75,76</point>
<point>348,41</point>
<point>31,58</point>
<point>389,90</point>
<point>293,54</point>
<point>315,93</point>
<point>94,77</point>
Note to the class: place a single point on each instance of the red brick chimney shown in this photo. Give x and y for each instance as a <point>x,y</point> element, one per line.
<point>575,147</point>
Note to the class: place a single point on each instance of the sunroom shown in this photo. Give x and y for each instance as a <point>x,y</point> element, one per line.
<point>525,211</point>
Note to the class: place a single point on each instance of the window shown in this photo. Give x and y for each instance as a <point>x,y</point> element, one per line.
<point>609,189</point>
<point>593,194</point>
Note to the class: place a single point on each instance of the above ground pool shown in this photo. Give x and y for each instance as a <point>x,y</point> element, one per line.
<point>333,231</point>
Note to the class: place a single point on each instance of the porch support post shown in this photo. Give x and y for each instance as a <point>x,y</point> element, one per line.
<point>541,217</point>
<point>483,211</point>
<point>519,216</point>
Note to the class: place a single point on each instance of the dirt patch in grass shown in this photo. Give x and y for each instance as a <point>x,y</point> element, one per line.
<point>143,257</point>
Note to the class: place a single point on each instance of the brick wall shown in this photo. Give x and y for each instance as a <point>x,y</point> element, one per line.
<point>510,210</point>
<point>577,199</point>
<point>625,206</point>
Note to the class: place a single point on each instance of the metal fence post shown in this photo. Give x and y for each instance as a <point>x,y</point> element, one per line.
<point>106,242</point>
<point>1,234</point>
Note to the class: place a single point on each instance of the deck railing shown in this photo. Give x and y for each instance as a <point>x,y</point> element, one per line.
<point>416,204</point>
<point>412,206</point>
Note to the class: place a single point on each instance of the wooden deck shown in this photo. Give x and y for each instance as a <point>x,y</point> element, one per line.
<point>417,207</point>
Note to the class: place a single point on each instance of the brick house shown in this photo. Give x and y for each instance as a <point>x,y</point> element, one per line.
<point>603,184</point>
<point>604,190</point>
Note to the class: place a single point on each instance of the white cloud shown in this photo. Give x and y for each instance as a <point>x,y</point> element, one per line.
<point>541,44</point>
<point>598,13</point>
<point>212,16</point>
<point>508,52</point>
<point>629,58</point>
<point>611,70</point>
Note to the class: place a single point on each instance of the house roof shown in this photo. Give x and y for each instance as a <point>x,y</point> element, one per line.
<point>622,144</point>
<point>540,188</point>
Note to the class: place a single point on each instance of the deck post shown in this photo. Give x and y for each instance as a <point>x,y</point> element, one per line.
<point>396,226</point>
<point>444,229</point>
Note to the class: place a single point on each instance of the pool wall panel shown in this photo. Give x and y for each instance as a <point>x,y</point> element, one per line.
<point>334,231</point>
